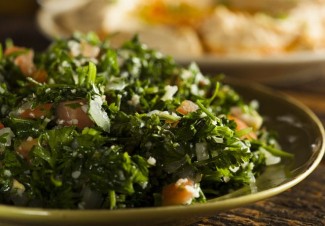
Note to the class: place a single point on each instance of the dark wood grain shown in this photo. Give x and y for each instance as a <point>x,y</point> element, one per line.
<point>304,204</point>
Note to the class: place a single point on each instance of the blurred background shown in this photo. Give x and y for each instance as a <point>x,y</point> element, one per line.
<point>169,27</point>
<point>18,22</point>
<point>279,45</point>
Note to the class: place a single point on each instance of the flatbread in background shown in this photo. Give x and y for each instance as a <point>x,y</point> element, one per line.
<point>170,41</point>
<point>272,7</point>
<point>84,18</point>
<point>190,28</point>
<point>301,28</point>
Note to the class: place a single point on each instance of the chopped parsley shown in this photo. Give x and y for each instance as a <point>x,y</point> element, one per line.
<point>84,125</point>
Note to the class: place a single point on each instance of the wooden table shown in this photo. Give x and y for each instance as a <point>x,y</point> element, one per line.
<point>304,204</point>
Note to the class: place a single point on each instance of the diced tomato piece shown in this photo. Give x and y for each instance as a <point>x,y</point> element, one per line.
<point>26,146</point>
<point>84,49</point>
<point>187,107</point>
<point>1,126</point>
<point>39,111</point>
<point>39,75</point>
<point>74,113</point>
<point>26,64</point>
<point>242,125</point>
<point>252,119</point>
<point>88,50</point>
<point>180,193</point>
<point>13,49</point>
<point>24,60</point>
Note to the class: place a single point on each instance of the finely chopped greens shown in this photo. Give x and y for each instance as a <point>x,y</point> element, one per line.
<point>84,125</point>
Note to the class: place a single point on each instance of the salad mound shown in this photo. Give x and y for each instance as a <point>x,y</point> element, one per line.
<point>87,126</point>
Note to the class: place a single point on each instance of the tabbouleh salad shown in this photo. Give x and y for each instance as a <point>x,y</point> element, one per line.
<point>87,126</point>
